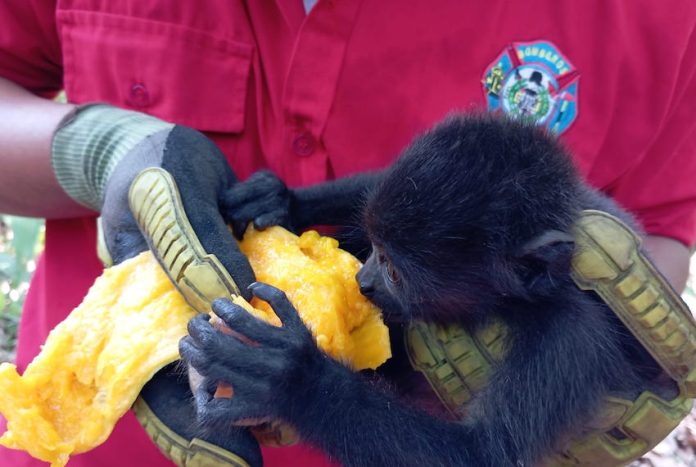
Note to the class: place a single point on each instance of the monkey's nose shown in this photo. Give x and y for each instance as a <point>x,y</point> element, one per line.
<point>366,289</point>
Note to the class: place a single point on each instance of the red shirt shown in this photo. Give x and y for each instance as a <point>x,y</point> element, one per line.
<point>344,88</point>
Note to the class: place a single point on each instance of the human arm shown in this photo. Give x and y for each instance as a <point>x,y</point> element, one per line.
<point>28,186</point>
<point>96,153</point>
<point>660,190</point>
<point>671,258</point>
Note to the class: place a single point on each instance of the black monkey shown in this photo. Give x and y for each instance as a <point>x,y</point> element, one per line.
<point>473,221</point>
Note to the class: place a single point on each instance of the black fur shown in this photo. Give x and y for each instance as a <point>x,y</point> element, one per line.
<point>472,222</point>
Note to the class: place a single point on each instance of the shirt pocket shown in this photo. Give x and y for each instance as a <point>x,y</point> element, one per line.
<point>183,75</point>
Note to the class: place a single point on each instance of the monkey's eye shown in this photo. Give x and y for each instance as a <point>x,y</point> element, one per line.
<point>390,272</point>
<point>392,275</point>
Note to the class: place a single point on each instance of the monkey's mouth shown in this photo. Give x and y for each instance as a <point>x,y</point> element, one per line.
<point>393,312</point>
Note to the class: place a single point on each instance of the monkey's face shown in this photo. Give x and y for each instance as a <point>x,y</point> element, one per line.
<point>379,282</point>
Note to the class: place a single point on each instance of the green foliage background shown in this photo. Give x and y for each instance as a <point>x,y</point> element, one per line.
<point>21,240</point>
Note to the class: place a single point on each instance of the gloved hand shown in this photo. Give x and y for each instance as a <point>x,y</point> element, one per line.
<point>97,155</point>
<point>149,202</point>
<point>158,186</point>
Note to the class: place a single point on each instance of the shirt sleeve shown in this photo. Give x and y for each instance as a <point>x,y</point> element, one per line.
<point>30,53</point>
<point>661,190</point>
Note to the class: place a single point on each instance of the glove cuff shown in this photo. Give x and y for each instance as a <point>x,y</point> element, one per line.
<point>89,143</point>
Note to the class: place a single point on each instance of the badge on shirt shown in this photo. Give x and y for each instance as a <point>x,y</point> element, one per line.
<point>533,80</point>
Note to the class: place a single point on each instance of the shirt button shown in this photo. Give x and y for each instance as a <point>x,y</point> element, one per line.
<point>139,95</point>
<point>304,144</point>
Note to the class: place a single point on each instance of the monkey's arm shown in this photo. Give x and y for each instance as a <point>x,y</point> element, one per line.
<point>551,380</point>
<point>287,377</point>
<point>265,200</point>
<point>333,203</point>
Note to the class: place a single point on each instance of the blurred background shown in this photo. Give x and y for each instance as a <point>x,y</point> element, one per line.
<point>21,241</point>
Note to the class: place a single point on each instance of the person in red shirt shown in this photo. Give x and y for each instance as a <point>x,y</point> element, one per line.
<point>319,93</point>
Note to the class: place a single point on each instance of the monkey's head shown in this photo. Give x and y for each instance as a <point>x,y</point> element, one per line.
<point>475,211</point>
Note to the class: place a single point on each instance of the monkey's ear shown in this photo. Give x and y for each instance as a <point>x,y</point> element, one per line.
<point>543,259</point>
<point>551,249</point>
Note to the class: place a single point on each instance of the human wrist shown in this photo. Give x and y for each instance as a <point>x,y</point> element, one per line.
<point>671,257</point>
<point>90,142</point>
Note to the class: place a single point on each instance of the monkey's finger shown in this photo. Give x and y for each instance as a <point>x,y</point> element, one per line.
<point>240,320</point>
<point>212,341</point>
<point>240,217</point>
<point>251,207</point>
<point>241,413</point>
<point>192,355</point>
<point>200,329</point>
<point>206,344</point>
<point>238,228</point>
<point>276,217</point>
<point>232,203</point>
<point>248,211</point>
<point>204,400</point>
<point>218,355</point>
<point>246,403</point>
<point>215,411</point>
<point>207,363</point>
<point>253,364</point>
<point>279,302</point>
<point>215,368</point>
<point>257,185</point>
<point>244,385</point>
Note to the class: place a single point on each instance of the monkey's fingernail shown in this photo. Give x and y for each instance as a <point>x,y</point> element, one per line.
<point>223,391</point>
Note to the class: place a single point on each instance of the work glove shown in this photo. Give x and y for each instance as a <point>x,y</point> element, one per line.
<point>159,186</point>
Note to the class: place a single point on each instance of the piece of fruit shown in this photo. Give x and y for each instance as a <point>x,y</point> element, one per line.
<point>319,279</point>
<point>94,364</point>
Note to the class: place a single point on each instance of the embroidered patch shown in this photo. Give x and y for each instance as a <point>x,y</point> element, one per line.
<point>533,80</point>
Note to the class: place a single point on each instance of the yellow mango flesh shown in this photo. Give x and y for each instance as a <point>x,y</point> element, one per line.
<point>319,279</point>
<point>94,364</point>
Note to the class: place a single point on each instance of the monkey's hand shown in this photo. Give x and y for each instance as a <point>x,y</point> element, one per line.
<point>270,368</point>
<point>262,199</point>
<point>279,373</point>
<point>265,200</point>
